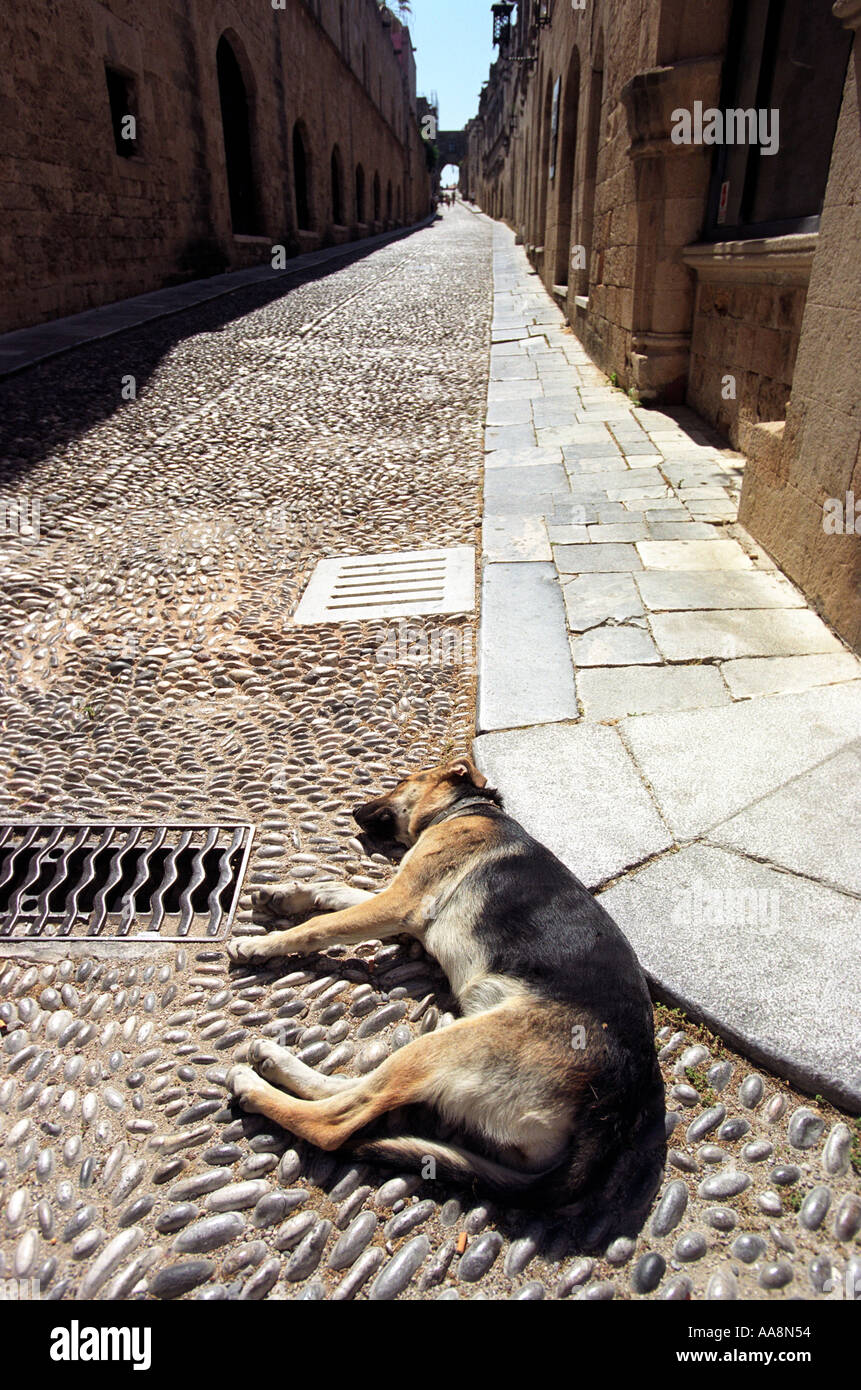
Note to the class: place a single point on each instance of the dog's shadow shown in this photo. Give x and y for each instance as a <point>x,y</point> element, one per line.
<point>620,1208</point>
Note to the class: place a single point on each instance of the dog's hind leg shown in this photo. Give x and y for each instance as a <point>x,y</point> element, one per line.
<point>328,1122</point>
<point>467,1072</point>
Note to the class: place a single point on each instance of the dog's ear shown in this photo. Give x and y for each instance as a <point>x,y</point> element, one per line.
<point>466,768</point>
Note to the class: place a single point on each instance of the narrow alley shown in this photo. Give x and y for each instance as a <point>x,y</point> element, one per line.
<point>183,479</point>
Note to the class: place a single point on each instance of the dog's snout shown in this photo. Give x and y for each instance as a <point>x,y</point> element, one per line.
<point>372,814</point>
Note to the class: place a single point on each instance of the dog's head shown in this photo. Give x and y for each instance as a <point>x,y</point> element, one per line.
<point>403,813</point>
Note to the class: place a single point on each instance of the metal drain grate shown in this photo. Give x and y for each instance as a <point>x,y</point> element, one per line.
<point>120,882</point>
<point>398,584</point>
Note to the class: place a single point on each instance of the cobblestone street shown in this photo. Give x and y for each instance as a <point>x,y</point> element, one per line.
<point>152,674</point>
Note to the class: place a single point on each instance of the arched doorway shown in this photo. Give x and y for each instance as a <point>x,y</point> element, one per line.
<point>236,126</point>
<point>544,164</point>
<point>337,188</point>
<point>389,201</point>
<point>563,273</point>
<point>301,179</point>
<point>589,274</point>
<point>376,197</point>
<point>360,193</point>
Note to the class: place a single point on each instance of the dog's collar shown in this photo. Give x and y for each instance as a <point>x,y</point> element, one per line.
<point>467,806</point>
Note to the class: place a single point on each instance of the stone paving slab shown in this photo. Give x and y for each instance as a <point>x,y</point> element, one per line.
<point>510,539</point>
<point>681,530</point>
<point>720,589</point>
<point>619,484</point>
<point>614,646</point>
<point>785,675</point>
<point>601,558</point>
<point>693,555</point>
<point>573,807</point>
<point>522,458</point>
<point>802,825</point>
<point>752,632</point>
<point>763,953</point>
<point>705,765</point>
<point>513,369</point>
<point>509,437</point>
<point>514,390</point>
<point>509,413</point>
<point>591,599</point>
<point>566,535</point>
<point>613,693</point>
<point>524,670</point>
<point>619,531</point>
<point>516,487</point>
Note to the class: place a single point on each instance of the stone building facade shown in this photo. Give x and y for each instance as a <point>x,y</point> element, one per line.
<point>276,123</point>
<point>686,178</point>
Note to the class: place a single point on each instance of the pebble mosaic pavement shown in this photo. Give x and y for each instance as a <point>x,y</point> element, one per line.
<point>151,671</point>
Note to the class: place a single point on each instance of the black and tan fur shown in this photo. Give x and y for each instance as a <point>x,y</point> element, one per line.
<point>552,1068</point>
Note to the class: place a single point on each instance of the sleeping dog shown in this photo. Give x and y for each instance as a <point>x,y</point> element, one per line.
<point>551,1071</point>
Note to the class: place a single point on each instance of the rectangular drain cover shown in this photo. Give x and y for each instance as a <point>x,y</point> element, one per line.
<point>120,882</point>
<point>397,584</point>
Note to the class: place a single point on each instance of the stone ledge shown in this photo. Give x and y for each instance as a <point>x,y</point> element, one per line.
<point>763,444</point>
<point>786,260</point>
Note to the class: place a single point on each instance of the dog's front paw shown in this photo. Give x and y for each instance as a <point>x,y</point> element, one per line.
<point>264,1056</point>
<point>247,949</point>
<point>245,1085</point>
<point>282,900</point>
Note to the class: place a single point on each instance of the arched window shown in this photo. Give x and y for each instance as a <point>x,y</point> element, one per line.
<point>236,126</point>
<point>337,188</point>
<point>360,193</point>
<point>301,179</point>
<point>376,197</point>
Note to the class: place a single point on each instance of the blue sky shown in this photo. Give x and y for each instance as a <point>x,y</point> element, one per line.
<point>454,42</point>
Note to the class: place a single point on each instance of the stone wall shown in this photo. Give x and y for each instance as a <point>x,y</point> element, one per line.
<point>83,225</point>
<point>798,472</point>
<point>743,349</point>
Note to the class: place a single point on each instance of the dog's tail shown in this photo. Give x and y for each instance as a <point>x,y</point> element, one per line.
<point>448,1161</point>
